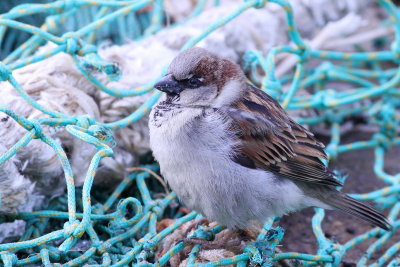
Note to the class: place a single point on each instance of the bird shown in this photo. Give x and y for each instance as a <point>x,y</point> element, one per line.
<point>231,152</point>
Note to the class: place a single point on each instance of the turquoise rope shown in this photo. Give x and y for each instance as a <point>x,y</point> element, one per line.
<point>123,231</point>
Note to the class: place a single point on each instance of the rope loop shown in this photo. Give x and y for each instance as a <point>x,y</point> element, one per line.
<point>122,209</point>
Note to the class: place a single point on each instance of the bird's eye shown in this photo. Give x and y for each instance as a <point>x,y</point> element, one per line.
<point>194,81</point>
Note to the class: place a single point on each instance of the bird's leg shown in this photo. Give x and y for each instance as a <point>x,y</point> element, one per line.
<point>194,225</point>
<point>191,226</point>
<point>215,244</point>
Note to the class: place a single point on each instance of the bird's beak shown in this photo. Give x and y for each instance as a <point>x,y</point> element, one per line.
<point>169,85</point>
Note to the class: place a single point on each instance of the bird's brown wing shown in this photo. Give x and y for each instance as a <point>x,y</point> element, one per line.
<point>269,139</point>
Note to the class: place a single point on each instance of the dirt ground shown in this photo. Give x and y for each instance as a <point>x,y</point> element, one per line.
<point>338,225</point>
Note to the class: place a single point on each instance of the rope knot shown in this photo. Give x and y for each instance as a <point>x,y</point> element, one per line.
<point>38,130</point>
<point>72,42</point>
<point>155,208</point>
<point>304,55</point>
<point>254,253</point>
<point>335,251</point>
<point>260,3</point>
<point>382,140</point>
<point>262,252</point>
<point>326,98</point>
<point>385,118</point>
<point>69,228</point>
<point>204,234</point>
<point>149,244</point>
<point>92,61</point>
<point>5,72</point>
<point>103,134</point>
<point>98,209</point>
<point>84,121</point>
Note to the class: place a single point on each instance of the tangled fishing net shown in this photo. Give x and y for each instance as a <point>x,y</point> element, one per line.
<point>78,184</point>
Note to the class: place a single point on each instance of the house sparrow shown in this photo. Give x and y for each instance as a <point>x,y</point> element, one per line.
<point>230,152</point>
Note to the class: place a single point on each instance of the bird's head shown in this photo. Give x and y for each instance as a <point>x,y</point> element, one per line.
<point>197,77</point>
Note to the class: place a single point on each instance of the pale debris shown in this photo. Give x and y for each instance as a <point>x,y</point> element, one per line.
<point>16,194</point>
<point>309,15</point>
<point>15,188</point>
<point>53,83</point>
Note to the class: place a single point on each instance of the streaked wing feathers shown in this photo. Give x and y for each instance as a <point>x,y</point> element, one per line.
<point>271,140</point>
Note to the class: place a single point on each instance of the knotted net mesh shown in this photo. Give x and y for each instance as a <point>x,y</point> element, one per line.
<point>138,222</point>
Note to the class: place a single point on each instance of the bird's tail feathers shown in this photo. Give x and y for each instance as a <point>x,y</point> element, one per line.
<point>362,210</point>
